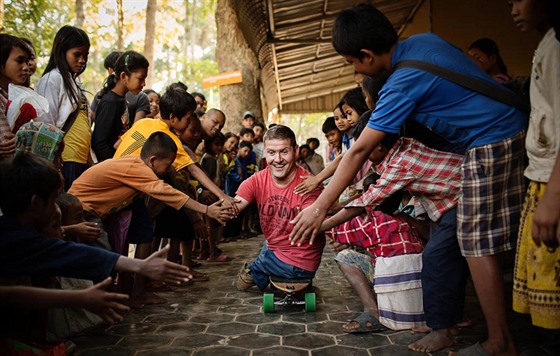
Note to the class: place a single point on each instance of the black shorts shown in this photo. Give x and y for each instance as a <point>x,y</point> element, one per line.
<point>174,224</point>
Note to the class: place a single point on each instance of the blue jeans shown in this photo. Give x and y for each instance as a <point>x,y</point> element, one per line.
<point>444,274</point>
<point>267,264</point>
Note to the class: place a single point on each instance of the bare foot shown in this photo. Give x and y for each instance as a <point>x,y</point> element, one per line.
<point>421,329</point>
<point>434,341</point>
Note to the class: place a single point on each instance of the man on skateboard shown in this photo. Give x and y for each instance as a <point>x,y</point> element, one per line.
<point>273,190</point>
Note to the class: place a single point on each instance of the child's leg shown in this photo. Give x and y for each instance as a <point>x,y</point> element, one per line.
<point>139,296</point>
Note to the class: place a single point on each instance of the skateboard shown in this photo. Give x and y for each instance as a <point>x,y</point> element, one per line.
<point>290,287</point>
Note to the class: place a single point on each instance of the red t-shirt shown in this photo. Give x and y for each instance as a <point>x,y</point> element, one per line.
<point>277,207</point>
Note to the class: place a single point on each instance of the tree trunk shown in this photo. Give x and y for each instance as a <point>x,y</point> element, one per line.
<point>150,38</point>
<point>120,25</point>
<point>80,15</point>
<point>233,53</point>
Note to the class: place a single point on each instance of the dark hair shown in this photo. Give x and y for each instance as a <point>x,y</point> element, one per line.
<point>128,62</point>
<point>304,146</point>
<point>362,27</point>
<point>260,124</point>
<point>372,85</point>
<point>151,91</point>
<point>245,144</point>
<point>280,132</point>
<point>246,131</point>
<point>489,47</point>
<point>65,201</point>
<point>176,101</point>
<point>313,139</point>
<point>329,125</point>
<point>7,42</point>
<point>361,124</point>
<point>179,85</point>
<point>392,202</point>
<point>355,99</point>
<point>66,38</point>
<point>219,139</point>
<point>24,176</point>
<point>200,95</point>
<point>111,59</point>
<point>158,144</point>
<point>228,135</point>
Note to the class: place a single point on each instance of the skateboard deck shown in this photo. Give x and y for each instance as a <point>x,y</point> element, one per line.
<point>290,287</point>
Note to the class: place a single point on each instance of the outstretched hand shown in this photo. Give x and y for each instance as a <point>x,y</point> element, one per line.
<point>231,203</point>
<point>105,304</point>
<point>221,212</point>
<point>307,225</point>
<point>156,267</point>
<point>308,185</point>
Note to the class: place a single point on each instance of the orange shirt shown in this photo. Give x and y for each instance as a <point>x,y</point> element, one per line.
<point>113,184</point>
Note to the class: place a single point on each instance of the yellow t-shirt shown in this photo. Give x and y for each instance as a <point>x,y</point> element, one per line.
<point>78,138</point>
<point>134,138</point>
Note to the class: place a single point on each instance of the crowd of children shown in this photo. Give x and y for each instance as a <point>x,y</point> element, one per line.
<point>412,188</point>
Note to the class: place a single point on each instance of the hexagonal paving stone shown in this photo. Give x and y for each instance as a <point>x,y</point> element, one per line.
<point>197,308</point>
<point>222,301</point>
<point>230,329</point>
<point>131,329</point>
<point>167,351</point>
<point>309,341</point>
<point>223,351</point>
<point>181,329</point>
<point>340,350</point>
<point>281,328</point>
<point>212,318</point>
<point>197,341</point>
<point>116,351</point>
<point>343,316</point>
<point>280,351</point>
<point>258,318</point>
<point>253,301</point>
<point>169,318</point>
<point>143,342</point>
<point>363,340</point>
<point>394,350</point>
<point>303,317</point>
<point>238,309</point>
<point>326,327</point>
<point>254,341</point>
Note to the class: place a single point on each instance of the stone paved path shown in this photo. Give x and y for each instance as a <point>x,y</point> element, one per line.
<point>213,318</point>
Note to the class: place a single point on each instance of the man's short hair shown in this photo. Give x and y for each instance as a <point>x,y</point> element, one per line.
<point>111,59</point>
<point>160,145</point>
<point>24,176</point>
<point>176,101</point>
<point>362,27</point>
<point>246,131</point>
<point>329,125</point>
<point>280,132</point>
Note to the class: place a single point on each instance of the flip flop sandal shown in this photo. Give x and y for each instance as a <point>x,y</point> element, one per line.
<point>473,350</point>
<point>367,323</point>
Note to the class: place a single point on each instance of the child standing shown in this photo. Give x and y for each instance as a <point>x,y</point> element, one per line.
<point>536,284</point>
<point>111,114</point>
<point>153,98</point>
<point>334,138</point>
<point>68,106</point>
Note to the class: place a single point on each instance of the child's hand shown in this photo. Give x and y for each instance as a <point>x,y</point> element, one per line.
<point>337,247</point>
<point>219,211</point>
<point>308,185</point>
<point>156,267</point>
<point>105,304</point>
<point>84,231</point>
<point>201,230</point>
<point>231,203</point>
<point>546,221</point>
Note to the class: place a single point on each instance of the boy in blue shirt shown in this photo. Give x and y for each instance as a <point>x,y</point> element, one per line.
<point>490,132</point>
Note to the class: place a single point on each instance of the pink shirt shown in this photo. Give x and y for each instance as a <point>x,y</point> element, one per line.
<point>277,207</point>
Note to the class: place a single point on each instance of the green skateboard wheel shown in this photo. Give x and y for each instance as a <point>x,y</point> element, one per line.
<point>310,302</point>
<point>268,302</point>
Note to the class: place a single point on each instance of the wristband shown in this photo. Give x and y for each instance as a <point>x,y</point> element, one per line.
<point>206,213</point>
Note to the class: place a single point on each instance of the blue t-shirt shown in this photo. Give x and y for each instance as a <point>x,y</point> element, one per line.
<point>462,116</point>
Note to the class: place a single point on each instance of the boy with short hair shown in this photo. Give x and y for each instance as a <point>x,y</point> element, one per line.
<point>334,138</point>
<point>248,120</point>
<point>492,137</point>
